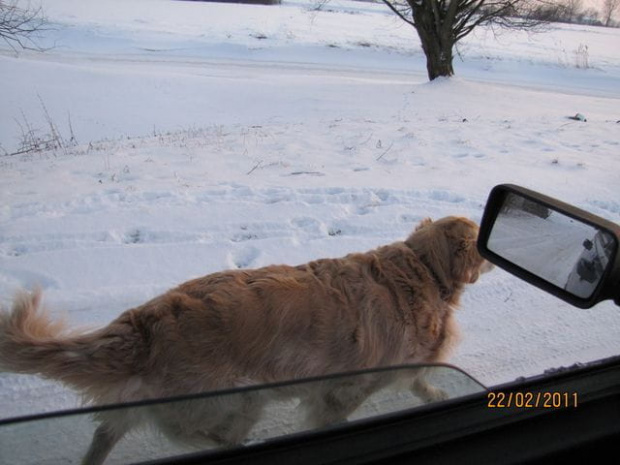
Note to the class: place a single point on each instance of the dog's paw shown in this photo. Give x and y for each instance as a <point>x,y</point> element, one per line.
<point>437,395</point>
<point>428,393</point>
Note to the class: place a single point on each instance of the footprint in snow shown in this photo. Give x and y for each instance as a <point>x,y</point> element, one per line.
<point>410,218</point>
<point>309,225</point>
<point>243,258</point>
<point>11,278</point>
<point>135,236</point>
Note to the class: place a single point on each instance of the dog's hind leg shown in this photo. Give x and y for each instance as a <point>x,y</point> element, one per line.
<point>241,416</point>
<point>224,421</point>
<point>105,438</point>
<point>337,399</point>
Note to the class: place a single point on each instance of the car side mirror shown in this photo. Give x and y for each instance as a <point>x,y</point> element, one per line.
<point>555,246</point>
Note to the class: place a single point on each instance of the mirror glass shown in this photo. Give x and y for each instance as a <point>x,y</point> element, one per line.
<point>559,249</point>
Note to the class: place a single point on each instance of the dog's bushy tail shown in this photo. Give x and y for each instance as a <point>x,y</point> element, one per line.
<point>32,342</point>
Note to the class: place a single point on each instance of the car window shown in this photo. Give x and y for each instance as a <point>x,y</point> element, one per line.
<point>63,437</point>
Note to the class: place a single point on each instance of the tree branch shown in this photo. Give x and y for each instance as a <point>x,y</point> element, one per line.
<point>398,12</point>
<point>18,26</point>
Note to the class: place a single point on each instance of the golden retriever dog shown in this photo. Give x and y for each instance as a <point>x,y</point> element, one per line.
<point>390,306</point>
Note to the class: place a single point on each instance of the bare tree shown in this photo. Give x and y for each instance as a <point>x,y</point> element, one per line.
<point>572,8</point>
<point>589,16</point>
<point>609,8</point>
<point>19,26</point>
<point>440,24</point>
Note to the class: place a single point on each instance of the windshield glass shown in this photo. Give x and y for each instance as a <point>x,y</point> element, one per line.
<point>65,437</point>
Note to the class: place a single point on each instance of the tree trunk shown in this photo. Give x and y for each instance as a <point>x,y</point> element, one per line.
<point>438,58</point>
<point>436,38</point>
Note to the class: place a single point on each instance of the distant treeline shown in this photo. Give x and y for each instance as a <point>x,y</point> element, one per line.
<point>249,2</point>
<point>569,11</point>
<point>564,11</point>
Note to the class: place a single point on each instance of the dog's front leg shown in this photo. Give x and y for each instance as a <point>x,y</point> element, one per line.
<point>426,391</point>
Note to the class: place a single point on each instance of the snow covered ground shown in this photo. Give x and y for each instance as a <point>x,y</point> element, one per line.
<point>216,136</point>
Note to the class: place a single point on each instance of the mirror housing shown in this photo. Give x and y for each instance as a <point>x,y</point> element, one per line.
<point>557,247</point>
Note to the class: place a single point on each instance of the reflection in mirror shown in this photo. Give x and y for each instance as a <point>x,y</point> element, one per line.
<point>559,249</point>
<point>65,437</point>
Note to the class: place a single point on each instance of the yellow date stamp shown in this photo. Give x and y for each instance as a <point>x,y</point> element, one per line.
<point>532,400</point>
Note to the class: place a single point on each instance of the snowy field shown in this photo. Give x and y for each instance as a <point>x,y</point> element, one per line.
<point>215,136</point>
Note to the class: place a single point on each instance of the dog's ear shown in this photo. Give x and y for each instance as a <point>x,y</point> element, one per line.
<point>431,245</point>
<point>468,260</point>
<point>425,222</point>
<point>465,245</point>
<point>448,248</point>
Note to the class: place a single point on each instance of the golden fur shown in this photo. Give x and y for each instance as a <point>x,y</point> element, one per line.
<point>392,305</point>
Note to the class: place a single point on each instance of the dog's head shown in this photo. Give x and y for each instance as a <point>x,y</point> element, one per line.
<point>448,247</point>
